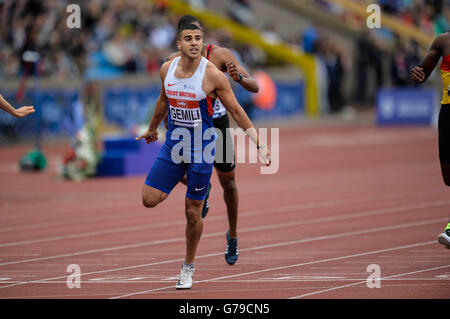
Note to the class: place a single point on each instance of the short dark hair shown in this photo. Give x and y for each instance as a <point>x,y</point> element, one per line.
<point>187,19</point>
<point>189,26</point>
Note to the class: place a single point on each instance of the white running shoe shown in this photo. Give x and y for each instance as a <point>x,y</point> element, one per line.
<point>185,280</point>
<point>444,239</point>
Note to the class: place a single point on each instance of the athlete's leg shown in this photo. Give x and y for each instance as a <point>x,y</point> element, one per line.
<point>444,237</point>
<point>444,142</point>
<point>225,164</point>
<point>444,158</point>
<point>231,198</point>
<point>445,170</point>
<point>161,179</point>
<point>152,196</point>
<point>194,227</point>
<point>198,177</point>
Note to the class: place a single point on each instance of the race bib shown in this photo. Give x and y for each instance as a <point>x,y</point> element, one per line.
<point>185,112</point>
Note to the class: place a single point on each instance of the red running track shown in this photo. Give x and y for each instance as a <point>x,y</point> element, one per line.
<point>344,198</point>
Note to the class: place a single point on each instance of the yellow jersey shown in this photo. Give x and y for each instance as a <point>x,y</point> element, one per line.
<point>445,74</point>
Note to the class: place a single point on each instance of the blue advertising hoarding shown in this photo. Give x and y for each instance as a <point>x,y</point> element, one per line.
<point>127,106</point>
<point>406,106</point>
<point>59,111</point>
<point>289,101</point>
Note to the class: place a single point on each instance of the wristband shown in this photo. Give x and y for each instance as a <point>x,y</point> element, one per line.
<point>260,146</point>
<point>240,78</point>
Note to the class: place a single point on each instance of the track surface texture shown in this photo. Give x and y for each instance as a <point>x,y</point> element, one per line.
<point>344,198</point>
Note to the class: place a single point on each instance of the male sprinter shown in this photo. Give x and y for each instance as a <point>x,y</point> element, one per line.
<point>20,112</point>
<point>224,163</point>
<point>440,48</point>
<point>190,84</point>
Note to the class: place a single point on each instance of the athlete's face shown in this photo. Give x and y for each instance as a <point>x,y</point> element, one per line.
<point>190,43</point>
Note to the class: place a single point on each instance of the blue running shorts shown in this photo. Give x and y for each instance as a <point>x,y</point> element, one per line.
<point>165,175</point>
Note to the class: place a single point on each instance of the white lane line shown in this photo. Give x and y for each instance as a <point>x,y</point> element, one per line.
<point>301,241</point>
<point>56,211</point>
<point>249,213</point>
<point>258,228</point>
<point>129,281</point>
<point>244,214</point>
<point>92,233</point>
<point>283,267</point>
<point>93,251</point>
<point>365,281</point>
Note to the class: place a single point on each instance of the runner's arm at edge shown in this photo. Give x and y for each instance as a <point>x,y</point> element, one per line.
<point>20,112</point>
<point>421,73</point>
<point>161,110</point>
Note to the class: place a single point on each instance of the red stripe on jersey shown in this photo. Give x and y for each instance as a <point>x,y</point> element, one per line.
<point>445,65</point>
<point>209,100</point>
<point>208,51</point>
<point>184,103</point>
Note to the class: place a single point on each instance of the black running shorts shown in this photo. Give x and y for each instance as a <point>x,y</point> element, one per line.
<point>444,134</point>
<point>225,160</point>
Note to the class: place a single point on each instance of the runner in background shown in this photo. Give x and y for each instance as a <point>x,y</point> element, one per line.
<point>440,48</point>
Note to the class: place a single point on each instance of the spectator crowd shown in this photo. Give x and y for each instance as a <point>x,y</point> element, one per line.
<point>120,37</point>
<point>431,16</point>
<point>116,37</point>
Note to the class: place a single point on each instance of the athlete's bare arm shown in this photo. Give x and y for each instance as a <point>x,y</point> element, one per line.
<point>421,73</point>
<point>221,87</point>
<point>20,112</point>
<point>217,84</point>
<point>235,70</point>
<point>161,109</point>
<point>225,61</point>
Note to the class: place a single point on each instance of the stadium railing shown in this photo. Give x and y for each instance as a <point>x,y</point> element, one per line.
<point>405,31</point>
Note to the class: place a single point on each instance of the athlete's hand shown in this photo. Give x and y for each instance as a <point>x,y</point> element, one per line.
<point>417,74</point>
<point>149,136</point>
<point>24,111</point>
<point>232,71</point>
<point>264,152</point>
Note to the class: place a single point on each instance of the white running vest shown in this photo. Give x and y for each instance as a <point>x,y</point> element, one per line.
<point>189,106</point>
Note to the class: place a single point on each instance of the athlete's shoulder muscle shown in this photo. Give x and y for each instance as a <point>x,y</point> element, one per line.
<point>214,79</point>
<point>220,56</point>
<point>223,52</point>
<point>439,42</point>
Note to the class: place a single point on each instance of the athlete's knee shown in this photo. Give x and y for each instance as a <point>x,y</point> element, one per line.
<point>230,186</point>
<point>192,216</point>
<point>228,183</point>
<point>149,202</point>
<point>152,196</point>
